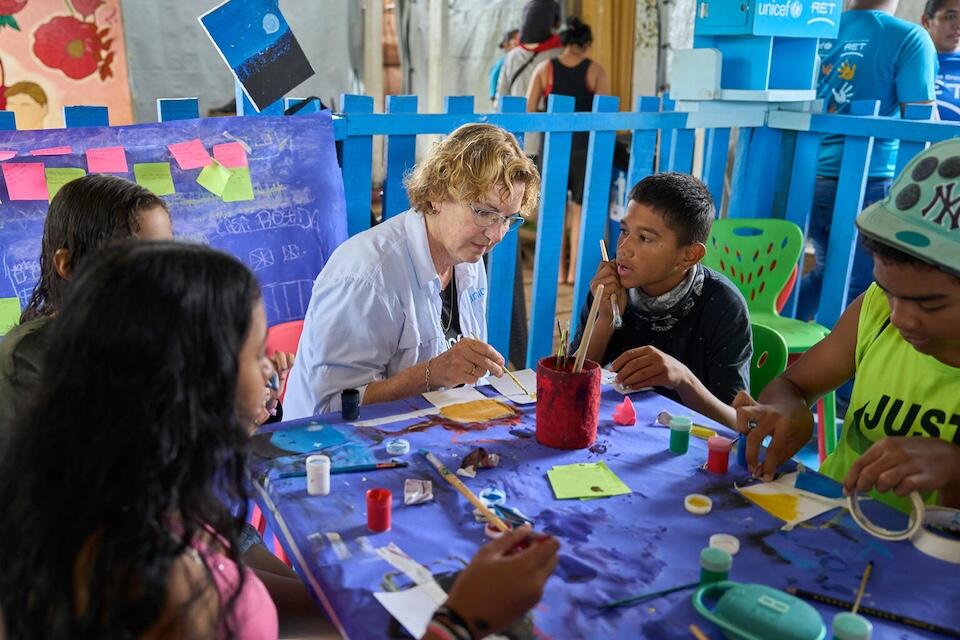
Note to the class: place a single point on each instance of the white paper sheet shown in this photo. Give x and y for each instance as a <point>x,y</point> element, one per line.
<point>400,561</point>
<point>783,500</point>
<point>446,397</point>
<point>609,378</point>
<point>509,389</point>
<point>395,418</point>
<point>413,608</point>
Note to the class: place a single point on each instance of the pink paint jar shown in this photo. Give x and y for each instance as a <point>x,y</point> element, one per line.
<point>379,505</point>
<point>718,454</point>
<point>568,403</point>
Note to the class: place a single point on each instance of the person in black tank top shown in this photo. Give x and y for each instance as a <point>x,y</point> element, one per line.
<point>573,74</point>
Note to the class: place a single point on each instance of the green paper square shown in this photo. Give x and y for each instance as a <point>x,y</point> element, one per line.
<point>57,177</point>
<point>155,176</point>
<point>586,480</point>
<point>214,178</point>
<point>239,188</point>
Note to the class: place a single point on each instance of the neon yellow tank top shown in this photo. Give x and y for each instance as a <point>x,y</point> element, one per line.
<point>898,392</point>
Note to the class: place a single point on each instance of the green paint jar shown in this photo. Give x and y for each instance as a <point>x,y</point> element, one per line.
<point>714,565</point>
<point>680,434</point>
<point>850,626</point>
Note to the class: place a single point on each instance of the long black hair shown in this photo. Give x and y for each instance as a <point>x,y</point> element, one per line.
<point>132,446</point>
<point>575,31</point>
<point>86,214</point>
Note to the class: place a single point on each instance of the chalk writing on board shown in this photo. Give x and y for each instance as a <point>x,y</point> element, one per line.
<point>291,252</point>
<point>261,258</point>
<point>285,298</point>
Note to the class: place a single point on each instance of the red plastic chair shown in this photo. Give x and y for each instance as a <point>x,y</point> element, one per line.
<point>284,337</point>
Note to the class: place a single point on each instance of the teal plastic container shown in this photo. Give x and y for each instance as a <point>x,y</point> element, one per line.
<point>758,612</point>
<point>680,434</point>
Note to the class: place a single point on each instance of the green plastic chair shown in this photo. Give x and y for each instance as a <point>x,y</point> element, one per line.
<point>9,314</point>
<point>758,255</point>
<point>769,358</point>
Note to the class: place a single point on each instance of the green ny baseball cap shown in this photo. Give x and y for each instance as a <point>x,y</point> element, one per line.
<point>921,215</point>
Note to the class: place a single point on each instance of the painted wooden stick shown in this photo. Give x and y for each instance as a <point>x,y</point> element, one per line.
<point>617,320</point>
<point>588,329</point>
<point>863,586</point>
<point>464,490</point>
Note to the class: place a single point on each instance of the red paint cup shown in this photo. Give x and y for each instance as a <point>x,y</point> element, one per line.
<point>718,454</point>
<point>379,504</point>
<point>568,403</point>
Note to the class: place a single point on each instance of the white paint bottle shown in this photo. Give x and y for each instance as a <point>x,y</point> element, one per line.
<point>318,475</point>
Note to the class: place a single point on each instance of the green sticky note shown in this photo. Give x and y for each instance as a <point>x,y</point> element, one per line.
<point>9,314</point>
<point>239,188</point>
<point>57,177</point>
<point>214,178</point>
<point>585,480</point>
<point>154,176</point>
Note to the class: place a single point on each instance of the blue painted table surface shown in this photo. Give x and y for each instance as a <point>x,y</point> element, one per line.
<point>611,548</point>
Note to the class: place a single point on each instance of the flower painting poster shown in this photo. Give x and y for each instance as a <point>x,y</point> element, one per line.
<point>62,52</point>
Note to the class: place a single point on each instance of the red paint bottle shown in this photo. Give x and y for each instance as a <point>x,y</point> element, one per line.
<point>718,454</point>
<point>379,505</point>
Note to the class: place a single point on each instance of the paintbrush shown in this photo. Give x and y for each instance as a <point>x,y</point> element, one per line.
<point>617,320</point>
<point>517,382</point>
<point>441,468</point>
<point>697,633</point>
<point>588,330</point>
<point>863,586</point>
<point>649,596</point>
<point>874,613</point>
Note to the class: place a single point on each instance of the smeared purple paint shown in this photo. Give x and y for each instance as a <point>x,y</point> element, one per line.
<point>569,524</point>
<point>599,448</point>
<point>572,570</point>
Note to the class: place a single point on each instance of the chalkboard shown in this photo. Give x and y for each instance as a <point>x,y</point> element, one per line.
<point>285,234</point>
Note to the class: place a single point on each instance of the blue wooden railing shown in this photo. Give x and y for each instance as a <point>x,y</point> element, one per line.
<point>774,170</point>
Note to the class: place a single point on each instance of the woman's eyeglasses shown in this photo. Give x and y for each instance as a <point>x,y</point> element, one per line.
<point>487,218</point>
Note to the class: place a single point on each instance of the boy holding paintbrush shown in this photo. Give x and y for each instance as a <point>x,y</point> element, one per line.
<point>685,328</point>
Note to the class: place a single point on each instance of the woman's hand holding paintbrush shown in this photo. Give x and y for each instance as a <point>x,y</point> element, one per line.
<point>504,580</point>
<point>465,363</point>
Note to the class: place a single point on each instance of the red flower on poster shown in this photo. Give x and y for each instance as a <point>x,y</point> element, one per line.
<point>75,47</point>
<point>7,9</point>
<point>86,7</point>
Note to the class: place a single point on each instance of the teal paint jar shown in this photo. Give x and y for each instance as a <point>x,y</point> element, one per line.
<point>680,434</point>
<point>715,565</point>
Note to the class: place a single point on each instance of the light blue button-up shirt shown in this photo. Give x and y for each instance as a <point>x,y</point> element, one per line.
<point>374,312</point>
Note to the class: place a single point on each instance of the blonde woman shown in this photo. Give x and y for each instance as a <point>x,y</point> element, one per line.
<point>400,309</point>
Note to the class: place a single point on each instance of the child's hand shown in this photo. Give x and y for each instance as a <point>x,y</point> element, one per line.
<point>607,276</point>
<point>282,363</point>
<point>649,367</point>
<point>789,428</point>
<point>502,583</point>
<point>903,465</point>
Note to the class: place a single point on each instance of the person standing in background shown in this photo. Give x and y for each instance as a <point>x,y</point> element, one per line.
<point>941,19</point>
<point>507,44</point>
<point>875,56</point>
<point>573,74</point>
<point>537,43</point>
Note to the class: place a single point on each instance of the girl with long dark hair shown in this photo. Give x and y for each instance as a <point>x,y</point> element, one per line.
<point>85,215</point>
<point>115,478</point>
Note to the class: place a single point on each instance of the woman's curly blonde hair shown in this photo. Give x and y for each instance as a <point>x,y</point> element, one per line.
<point>467,163</point>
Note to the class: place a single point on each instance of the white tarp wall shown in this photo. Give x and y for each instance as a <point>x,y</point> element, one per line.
<point>170,56</point>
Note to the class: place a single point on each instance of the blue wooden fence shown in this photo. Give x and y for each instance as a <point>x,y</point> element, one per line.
<point>774,170</point>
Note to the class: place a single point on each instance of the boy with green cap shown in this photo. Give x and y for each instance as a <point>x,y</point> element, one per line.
<point>901,339</point>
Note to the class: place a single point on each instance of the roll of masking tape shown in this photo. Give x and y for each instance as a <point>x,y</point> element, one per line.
<point>914,525</point>
<point>926,540</point>
<point>941,547</point>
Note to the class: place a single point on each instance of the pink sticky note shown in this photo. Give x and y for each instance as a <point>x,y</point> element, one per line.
<point>107,160</point>
<point>25,180</point>
<point>232,155</point>
<point>190,154</point>
<point>6,155</point>
<point>52,151</point>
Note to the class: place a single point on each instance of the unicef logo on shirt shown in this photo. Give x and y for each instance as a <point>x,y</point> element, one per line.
<point>796,9</point>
